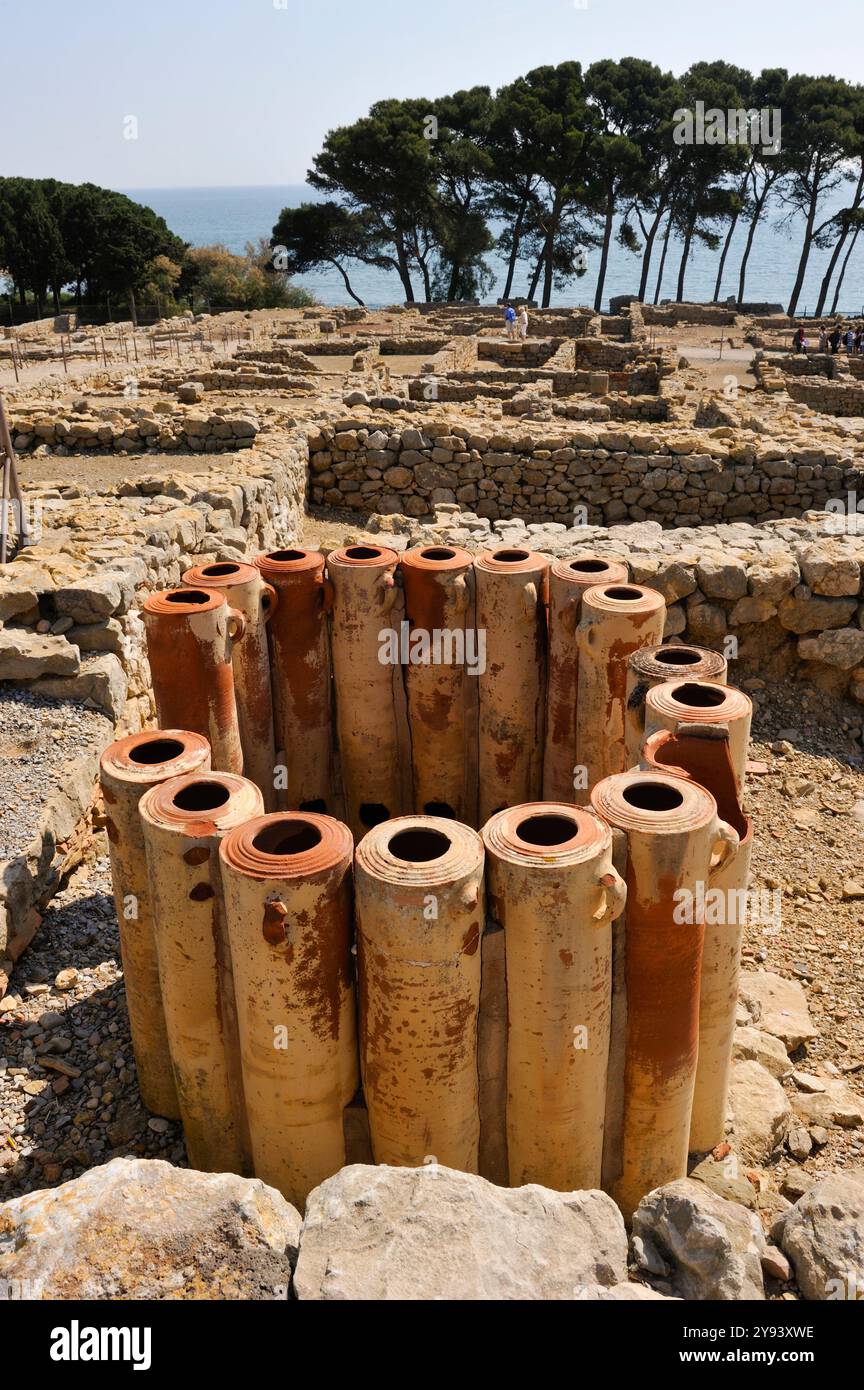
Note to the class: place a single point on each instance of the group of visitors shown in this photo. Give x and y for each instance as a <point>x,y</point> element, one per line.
<point>515,321</point>
<point>850,339</point>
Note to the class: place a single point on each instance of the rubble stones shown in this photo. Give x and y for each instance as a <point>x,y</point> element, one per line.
<point>754,1045</point>
<point>711,1248</point>
<point>25,655</point>
<point>777,1006</point>
<point>843,648</point>
<point>835,1104</point>
<point>760,1111</point>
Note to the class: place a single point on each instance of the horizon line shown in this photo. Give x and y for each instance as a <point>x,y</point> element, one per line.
<point>198,187</point>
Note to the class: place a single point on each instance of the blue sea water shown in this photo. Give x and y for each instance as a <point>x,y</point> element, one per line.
<point>235,216</point>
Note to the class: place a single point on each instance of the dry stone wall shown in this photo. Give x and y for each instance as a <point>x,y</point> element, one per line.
<point>614,475</point>
<point>70,625</point>
<point>69,605</point>
<point>829,397</point>
<point>133,429</point>
<point>782,599</point>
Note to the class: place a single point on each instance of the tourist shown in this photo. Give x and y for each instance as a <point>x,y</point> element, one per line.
<point>510,321</point>
<point>859,341</point>
<point>799,342</point>
<point>523,321</point>
<point>850,339</point>
<point>834,339</point>
<point>823,339</point>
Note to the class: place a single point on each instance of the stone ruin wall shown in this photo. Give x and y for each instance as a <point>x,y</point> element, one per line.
<point>616,475</point>
<point>70,626</point>
<point>70,603</point>
<point>133,429</point>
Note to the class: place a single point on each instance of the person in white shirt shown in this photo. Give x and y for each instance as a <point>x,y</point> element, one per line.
<point>522,321</point>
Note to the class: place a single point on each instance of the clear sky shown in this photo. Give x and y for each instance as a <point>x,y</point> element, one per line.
<point>243,91</point>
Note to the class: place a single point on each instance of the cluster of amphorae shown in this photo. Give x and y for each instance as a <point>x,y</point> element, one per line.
<point>543,1001</point>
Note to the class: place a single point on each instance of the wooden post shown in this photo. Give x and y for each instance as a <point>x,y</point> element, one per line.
<point>10,490</point>
<point>4,507</point>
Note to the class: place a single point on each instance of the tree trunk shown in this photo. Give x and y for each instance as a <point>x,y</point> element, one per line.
<point>402,263</point>
<point>727,243</point>
<point>648,252</point>
<point>829,271</point>
<point>354,296</point>
<point>685,256</point>
<point>547,272</point>
<point>751,232</point>
<point>805,249</point>
<point>549,250</point>
<point>427,284</point>
<point>514,248</point>
<point>663,257</point>
<point>838,247</point>
<point>604,253</point>
<point>843,270</point>
<point>535,277</point>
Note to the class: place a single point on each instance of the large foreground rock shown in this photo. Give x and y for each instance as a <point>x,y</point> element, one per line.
<point>140,1228</point>
<point>823,1236</point>
<point>711,1248</point>
<point>433,1233</point>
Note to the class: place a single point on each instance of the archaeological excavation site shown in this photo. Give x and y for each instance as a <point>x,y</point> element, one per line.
<point>432,829</point>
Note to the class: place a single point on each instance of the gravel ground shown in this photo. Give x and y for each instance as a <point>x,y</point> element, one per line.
<point>37,736</point>
<point>808,809</point>
<point>68,1092</point>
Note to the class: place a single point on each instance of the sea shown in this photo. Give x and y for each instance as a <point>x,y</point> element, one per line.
<point>236,216</point>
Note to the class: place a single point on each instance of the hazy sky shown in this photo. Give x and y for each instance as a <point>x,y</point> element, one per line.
<point>243,91</point>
